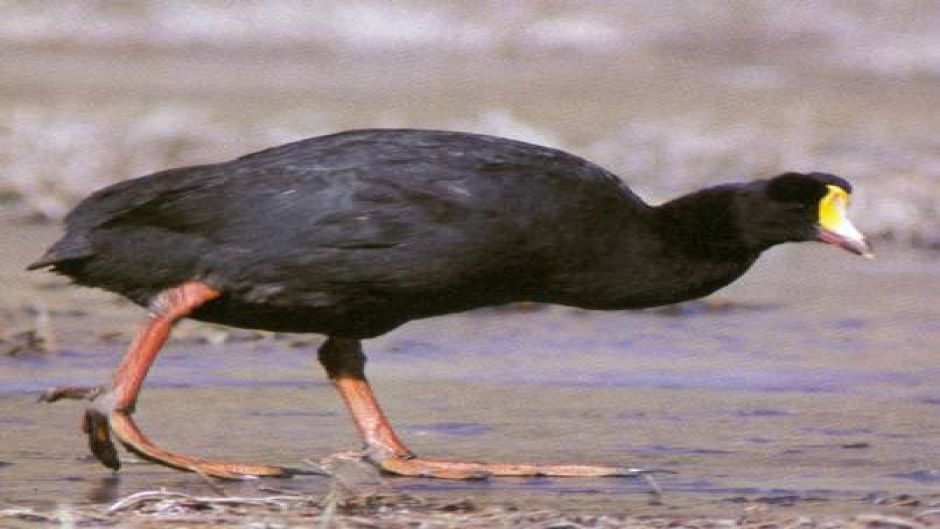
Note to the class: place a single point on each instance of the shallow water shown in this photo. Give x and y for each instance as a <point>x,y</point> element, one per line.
<point>814,379</point>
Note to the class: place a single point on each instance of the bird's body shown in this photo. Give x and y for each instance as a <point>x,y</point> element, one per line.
<point>353,234</point>
<point>356,233</point>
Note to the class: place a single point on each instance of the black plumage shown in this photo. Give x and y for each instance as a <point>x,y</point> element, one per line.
<point>355,233</point>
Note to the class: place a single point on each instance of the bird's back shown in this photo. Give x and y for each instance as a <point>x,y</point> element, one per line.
<point>379,226</point>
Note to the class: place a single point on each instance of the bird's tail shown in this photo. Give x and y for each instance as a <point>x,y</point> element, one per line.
<point>66,249</point>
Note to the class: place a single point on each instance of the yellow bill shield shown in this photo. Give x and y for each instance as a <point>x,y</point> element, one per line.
<point>835,226</point>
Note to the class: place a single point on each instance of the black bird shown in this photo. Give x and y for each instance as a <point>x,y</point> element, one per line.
<point>353,234</point>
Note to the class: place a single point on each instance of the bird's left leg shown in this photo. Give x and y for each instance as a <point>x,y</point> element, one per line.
<point>111,407</point>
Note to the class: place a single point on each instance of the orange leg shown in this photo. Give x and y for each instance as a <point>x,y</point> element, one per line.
<point>345,365</point>
<point>111,408</point>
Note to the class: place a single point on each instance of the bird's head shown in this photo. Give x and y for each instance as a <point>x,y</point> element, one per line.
<point>800,207</point>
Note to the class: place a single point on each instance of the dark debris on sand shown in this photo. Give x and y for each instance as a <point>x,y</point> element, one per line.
<point>25,342</point>
<point>167,509</point>
<point>26,331</point>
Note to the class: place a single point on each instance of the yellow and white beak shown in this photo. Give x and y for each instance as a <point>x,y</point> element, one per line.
<point>834,226</point>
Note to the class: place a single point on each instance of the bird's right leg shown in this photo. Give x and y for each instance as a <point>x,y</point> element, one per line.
<point>344,362</point>
<point>111,407</point>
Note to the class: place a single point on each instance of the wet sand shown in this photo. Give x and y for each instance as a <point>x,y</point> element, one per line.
<point>809,387</point>
<point>805,394</point>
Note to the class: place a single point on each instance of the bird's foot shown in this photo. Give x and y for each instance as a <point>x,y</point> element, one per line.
<point>452,469</point>
<point>126,431</point>
<point>413,466</point>
<point>103,422</point>
<point>396,465</point>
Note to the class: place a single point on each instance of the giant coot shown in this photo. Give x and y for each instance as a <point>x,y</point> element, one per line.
<point>353,234</point>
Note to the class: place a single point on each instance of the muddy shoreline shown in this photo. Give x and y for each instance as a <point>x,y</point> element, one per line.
<point>805,395</point>
<point>781,399</point>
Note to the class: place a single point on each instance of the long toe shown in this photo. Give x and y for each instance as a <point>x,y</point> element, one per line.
<point>71,392</point>
<point>451,469</point>
<point>127,432</point>
<point>425,468</point>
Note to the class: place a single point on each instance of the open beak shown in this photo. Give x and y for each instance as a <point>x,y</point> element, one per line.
<point>854,243</point>
<point>835,227</point>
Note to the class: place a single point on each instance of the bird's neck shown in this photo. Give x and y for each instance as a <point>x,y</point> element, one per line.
<point>684,249</point>
<point>704,225</point>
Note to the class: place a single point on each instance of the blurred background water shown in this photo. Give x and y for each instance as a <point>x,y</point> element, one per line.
<point>819,379</point>
<point>671,95</point>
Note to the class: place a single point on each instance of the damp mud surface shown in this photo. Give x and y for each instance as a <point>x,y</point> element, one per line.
<point>811,387</point>
<point>806,394</point>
